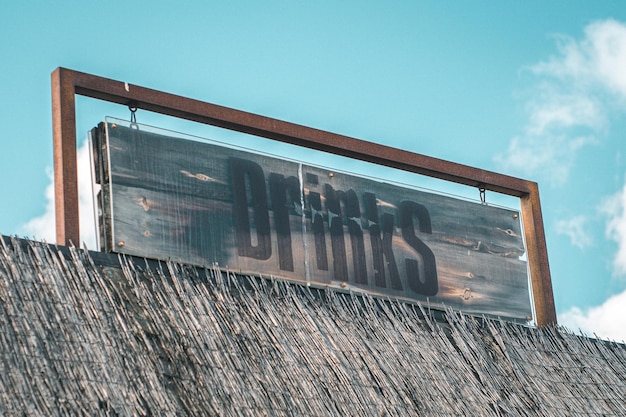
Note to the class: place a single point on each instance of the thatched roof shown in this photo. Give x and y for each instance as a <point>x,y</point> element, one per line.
<point>86,334</point>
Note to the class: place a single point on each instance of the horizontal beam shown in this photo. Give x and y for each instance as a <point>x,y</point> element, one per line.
<point>212,114</point>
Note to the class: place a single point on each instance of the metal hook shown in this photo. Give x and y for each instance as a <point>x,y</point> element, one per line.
<point>482,191</point>
<point>133,116</point>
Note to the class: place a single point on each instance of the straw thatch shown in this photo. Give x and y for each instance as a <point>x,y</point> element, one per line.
<point>84,334</point>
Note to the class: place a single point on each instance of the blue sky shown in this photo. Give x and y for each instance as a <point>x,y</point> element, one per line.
<point>530,89</point>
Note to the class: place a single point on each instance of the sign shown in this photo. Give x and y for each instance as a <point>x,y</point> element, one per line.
<point>207,204</point>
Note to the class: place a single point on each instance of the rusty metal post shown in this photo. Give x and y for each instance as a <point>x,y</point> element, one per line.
<point>65,169</point>
<point>67,83</point>
<point>537,252</point>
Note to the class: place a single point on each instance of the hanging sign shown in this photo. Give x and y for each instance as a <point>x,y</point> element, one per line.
<point>207,204</point>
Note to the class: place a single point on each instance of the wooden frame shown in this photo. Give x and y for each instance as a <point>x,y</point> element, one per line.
<point>67,83</point>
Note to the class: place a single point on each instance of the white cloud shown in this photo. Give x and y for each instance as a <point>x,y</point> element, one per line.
<point>574,228</point>
<point>615,208</point>
<point>607,321</point>
<point>548,156</point>
<point>600,58</point>
<point>553,112</point>
<point>570,102</point>
<point>44,226</point>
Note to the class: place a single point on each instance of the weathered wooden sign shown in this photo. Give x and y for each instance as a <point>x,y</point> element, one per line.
<point>206,204</point>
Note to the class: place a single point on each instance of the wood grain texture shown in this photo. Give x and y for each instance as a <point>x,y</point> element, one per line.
<point>204,204</point>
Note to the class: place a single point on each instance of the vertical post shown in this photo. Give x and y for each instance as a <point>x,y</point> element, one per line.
<point>65,166</point>
<point>545,311</point>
